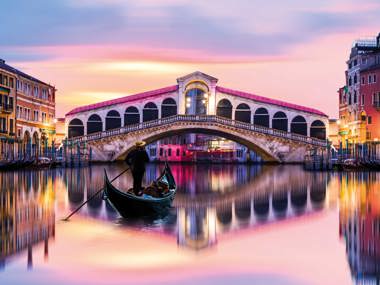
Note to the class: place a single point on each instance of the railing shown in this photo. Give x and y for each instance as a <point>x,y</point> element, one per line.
<point>196,119</point>
<point>6,108</point>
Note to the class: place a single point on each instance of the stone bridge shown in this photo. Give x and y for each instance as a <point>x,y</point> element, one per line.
<point>276,130</point>
<point>271,144</point>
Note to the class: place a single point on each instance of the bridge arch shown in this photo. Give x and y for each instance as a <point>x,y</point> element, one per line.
<point>261,117</point>
<point>259,146</point>
<point>318,130</point>
<point>94,124</point>
<point>168,107</point>
<point>150,112</point>
<point>131,116</point>
<point>243,113</point>
<point>299,125</point>
<point>113,120</point>
<point>280,121</point>
<point>75,128</point>
<point>224,108</point>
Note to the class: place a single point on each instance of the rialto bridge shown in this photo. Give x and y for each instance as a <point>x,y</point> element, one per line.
<point>276,130</point>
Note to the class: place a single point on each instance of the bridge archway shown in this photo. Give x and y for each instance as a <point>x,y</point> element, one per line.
<point>168,108</point>
<point>261,117</point>
<point>131,116</point>
<point>149,137</point>
<point>243,113</point>
<point>150,112</point>
<point>280,121</point>
<point>299,126</point>
<point>94,124</point>
<point>113,120</point>
<point>318,130</point>
<point>76,128</point>
<point>224,109</point>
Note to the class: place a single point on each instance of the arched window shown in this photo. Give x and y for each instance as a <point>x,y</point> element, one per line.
<point>113,120</point>
<point>168,108</point>
<point>224,109</point>
<point>150,112</point>
<point>131,116</point>
<point>196,102</point>
<point>243,113</point>
<point>318,130</point>
<point>299,126</point>
<point>280,122</point>
<point>94,124</point>
<point>261,117</point>
<point>76,128</point>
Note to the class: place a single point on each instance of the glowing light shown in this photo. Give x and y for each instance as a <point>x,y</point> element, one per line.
<point>188,99</point>
<point>55,120</point>
<point>205,95</point>
<point>188,105</point>
<point>204,101</point>
<point>338,122</point>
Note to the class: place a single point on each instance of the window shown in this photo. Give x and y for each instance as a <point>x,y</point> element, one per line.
<point>355,62</point>
<point>161,151</point>
<point>11,126</point>
<point>363,80</point>
<point>43,117</point>
<point>152,152</point>
<point>349,99</point>
<point>369,120</point>
<point>169,152</point>
<point>184,153</point>
<point>355,97</point>
<point>362,100</point>
<point>178,152</point>
<point>36,92</point>
<point>369,79</point>
<point>11,82</point>
<point>374,78</point>
<point>350,81</point>
<point>355,79</point>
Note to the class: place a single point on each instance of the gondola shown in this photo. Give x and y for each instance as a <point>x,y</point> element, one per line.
<point>128,204</point>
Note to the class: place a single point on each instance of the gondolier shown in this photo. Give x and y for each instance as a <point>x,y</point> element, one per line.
<point>136,160</point>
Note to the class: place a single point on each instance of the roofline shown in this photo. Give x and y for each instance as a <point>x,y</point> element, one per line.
<point>269,101</point>
<point>125,99</point>
<point>20,73</point>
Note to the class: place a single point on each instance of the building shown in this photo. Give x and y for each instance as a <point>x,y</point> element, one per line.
<point>7,113</point>
<point>198,99</point>
<point>358,115</point>
<point>31,119</point>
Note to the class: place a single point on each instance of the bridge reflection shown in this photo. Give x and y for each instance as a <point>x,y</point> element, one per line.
<point>212,199</point>
<point>359,217</point>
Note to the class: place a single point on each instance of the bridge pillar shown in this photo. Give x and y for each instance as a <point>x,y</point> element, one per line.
<point>181,98</point>
<point>212,99</point>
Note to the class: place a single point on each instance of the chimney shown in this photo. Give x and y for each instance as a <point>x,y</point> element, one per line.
<point>3,61</point>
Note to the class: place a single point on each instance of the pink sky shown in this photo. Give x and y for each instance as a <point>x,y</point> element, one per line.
<point>100,50</point>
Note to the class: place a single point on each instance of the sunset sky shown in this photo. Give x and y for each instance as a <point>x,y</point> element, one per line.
<point>94,50</point>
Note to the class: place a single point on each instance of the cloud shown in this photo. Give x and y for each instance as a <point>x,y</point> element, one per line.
<point>245,28</point>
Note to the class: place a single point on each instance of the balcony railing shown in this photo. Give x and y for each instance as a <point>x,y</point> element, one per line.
<point>6,108</point>
<point>196,119</point>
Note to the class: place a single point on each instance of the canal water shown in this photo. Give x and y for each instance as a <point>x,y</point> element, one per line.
<point>236,224</point>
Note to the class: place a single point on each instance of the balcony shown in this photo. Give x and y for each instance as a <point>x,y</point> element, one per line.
<point>376,104</point>
<point>6,108</point>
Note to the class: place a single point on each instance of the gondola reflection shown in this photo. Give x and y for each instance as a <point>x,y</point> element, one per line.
<point>360,224</point>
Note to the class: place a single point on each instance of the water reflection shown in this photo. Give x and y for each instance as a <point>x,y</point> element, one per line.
<point>212,201</point>
<point>27,215</point>
<point>360,224</point>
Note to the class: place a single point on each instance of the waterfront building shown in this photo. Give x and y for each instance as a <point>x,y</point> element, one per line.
<point>359,115</point>
<point>7,113</point>
<point>33,107</point>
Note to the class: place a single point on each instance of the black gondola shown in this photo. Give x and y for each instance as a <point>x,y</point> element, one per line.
<point>128,204</point>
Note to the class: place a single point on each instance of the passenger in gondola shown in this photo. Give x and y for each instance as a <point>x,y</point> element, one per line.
<point>136,160</point>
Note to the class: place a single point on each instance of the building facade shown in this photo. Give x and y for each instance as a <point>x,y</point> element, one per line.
<point>28,115</point>
<point>359,115</point>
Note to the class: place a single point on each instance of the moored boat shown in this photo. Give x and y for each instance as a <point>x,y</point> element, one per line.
<point>128,204</point>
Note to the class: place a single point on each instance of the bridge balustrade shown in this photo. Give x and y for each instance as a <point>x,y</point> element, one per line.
<point>199,118</point>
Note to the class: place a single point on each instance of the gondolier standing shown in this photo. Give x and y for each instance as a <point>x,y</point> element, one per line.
<point>136,160</point>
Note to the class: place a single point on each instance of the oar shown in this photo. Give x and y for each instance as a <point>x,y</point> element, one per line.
<point>92,197</point>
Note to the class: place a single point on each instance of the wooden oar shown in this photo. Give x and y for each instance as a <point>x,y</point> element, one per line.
<point>92,197</point>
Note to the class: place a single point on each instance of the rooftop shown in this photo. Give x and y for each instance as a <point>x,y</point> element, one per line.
<point>173,88</point>
<point>13,70</point>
